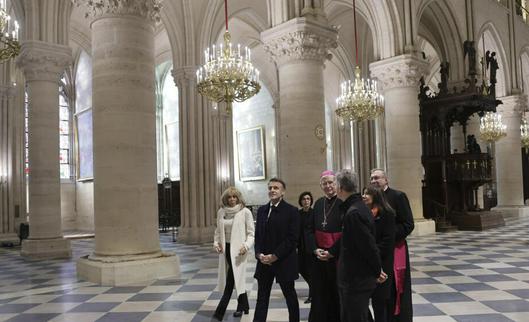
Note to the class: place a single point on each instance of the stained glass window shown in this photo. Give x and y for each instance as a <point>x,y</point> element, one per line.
<point>64,133</point>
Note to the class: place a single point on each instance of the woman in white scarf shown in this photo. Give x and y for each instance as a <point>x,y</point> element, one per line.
<point>234,236</point>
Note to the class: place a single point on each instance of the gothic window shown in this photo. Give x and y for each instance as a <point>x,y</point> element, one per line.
<point>64,133</point>
<point>83,117</point>
<point>168,124</point>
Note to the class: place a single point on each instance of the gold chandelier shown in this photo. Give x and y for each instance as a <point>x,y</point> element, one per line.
<point>491,128</point>
<point>9,45</point>
<point>524,134</point>
<point>359,99</point>
<point>228,74</point>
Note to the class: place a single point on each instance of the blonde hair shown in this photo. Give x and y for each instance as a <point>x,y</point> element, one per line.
<point>231,191</point>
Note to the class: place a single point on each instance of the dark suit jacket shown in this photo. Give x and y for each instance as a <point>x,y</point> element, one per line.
<point>359,265</point>
<point>278,235</point>
<point>403,216</point>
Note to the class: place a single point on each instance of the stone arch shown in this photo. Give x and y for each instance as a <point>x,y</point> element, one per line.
<point>440,27</point>
<point>493,42</point>
<point>382,20</point>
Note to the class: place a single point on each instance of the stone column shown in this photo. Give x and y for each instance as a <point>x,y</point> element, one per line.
<point>202,173</point>
<point>508,155</point>
<point>127,246</point>
<point>43,64</point>
<point>399,77</point>
<point>300,47</point>
<point>7,171</point>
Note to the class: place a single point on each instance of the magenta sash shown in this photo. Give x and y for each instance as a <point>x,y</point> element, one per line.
<point>325,240</point>
<point>399,269</point>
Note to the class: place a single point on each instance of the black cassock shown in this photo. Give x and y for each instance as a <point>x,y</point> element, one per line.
<point>403,227</point>
<point>324,231</point>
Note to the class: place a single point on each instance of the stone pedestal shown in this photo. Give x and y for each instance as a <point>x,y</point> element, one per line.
<point>300,47</point>
<point>399,77</point>
<point>508,157</point>
<point>43,64</point>
<point>124,127</point>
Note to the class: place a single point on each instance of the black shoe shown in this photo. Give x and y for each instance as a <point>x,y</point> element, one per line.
<point>238,314</point>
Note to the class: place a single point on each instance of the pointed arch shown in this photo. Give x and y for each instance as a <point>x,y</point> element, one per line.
<point>493,42</point>
<point>440,27</point>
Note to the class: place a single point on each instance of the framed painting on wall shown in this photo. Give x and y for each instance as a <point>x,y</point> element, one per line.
<point>251,154</point>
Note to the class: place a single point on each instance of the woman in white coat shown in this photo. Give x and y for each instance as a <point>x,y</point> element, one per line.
<point>234,237</point>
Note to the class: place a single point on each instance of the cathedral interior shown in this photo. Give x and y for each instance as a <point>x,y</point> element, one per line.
<point>120,226</point>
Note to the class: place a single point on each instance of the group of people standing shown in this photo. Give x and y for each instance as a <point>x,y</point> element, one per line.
<point>350,248</point>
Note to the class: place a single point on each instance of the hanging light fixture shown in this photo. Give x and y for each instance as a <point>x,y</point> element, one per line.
<point>524,134</point>
<point>228,74</point>
<point>359,99</point>
<point>9,44</point>
<point>491,128</point>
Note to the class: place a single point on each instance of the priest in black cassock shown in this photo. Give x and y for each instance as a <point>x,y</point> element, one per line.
<point>324,230</point>
<point>400,297</point>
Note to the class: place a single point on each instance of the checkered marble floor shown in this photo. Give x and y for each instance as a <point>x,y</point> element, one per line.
<point>459,276</point>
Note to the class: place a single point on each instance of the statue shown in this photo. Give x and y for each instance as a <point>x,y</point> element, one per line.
<point>472,144</point>
<point>443,85</point>
<point>492,66</point>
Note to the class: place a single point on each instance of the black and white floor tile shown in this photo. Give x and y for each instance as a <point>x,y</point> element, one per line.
<point>458,276</point>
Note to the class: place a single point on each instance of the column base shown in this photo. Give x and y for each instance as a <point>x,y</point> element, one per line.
<point>196,234</point>
<point>9,238</point>
<point>130,271</point>
<point>512,212</point>
<point>46,248</point>
<point>423,227</point>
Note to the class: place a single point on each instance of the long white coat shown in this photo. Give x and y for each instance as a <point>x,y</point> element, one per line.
<point>242,233</point>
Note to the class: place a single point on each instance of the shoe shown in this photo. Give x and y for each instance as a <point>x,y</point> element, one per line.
<point>308,300</point>
<point>238,314</point>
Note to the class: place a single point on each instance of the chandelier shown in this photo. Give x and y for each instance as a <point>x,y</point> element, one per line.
<point>227,74</point>
<point>491,127</point>
<point>9,45</point>
<point>359,99</point>
<point>524,134</point>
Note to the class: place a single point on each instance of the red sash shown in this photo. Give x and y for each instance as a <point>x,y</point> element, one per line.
<point>399,268</point>
<point>325,240</point>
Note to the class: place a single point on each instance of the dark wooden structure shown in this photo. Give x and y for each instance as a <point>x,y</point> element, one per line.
<point>451,180</point>
<point>169,206</point>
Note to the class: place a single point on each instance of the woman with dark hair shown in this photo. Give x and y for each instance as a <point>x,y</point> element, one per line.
<point>234,236</point>
<point>305,257</point>
<point>384,217</point>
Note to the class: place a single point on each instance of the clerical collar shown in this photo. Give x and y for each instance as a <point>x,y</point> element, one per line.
<point>386,187</point>
<point>331,198</point>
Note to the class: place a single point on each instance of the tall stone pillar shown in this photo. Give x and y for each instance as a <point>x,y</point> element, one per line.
<point>127,246</point>
<point>43,64</point>
<point>7,173</point>
<point>508,155</point>
<point>399,77</point>
<point>300,47</point>
<point>206,169</point>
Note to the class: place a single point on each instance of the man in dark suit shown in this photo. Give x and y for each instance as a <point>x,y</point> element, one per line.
<point>359,266</point>
<point>401,309</point>
<point>276,237</point>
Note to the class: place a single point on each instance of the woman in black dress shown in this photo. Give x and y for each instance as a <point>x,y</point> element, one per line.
<point>305,259</point>
<point>384,217</point>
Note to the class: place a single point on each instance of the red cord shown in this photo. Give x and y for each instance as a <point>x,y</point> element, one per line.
<point>356,35</point>
<point>226,13</point>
